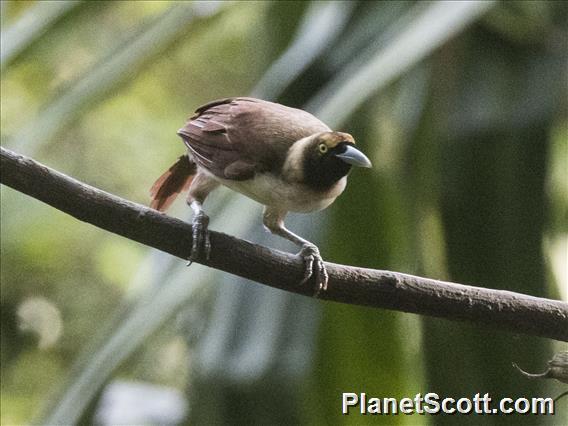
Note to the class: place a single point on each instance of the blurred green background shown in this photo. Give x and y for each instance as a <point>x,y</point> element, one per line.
<point>462,108</point>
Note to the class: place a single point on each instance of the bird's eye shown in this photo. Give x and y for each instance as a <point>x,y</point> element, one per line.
<point>322,148</point>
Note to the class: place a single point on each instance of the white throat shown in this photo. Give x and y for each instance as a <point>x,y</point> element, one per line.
<point>293,166</point>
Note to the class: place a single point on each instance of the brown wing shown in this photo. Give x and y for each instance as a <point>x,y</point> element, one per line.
<point>235,138</point>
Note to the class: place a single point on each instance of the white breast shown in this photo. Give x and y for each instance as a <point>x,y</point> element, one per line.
<point>271,191</point>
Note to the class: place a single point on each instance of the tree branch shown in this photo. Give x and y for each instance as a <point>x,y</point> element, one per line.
<point>506,310</point>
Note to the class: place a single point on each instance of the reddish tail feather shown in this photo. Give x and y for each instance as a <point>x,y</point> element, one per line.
<point>168,186</point>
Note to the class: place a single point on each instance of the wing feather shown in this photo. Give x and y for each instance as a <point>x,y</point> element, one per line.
<point>245,131</point>
<point>167,187</point>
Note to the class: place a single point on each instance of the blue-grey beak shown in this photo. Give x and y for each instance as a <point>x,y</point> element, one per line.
<point>353,156</point>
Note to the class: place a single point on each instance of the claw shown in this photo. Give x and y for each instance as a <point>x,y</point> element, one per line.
<point>314,267</point>
<point>201,245</point>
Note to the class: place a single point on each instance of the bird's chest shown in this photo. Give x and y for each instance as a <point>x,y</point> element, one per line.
<point>270,190</point>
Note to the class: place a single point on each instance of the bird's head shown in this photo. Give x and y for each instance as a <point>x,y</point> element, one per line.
<point>328,156</point>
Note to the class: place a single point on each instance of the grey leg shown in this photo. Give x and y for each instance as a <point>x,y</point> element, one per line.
<point>273,219</point>
<point>200,187</point>
<point>201,246</point>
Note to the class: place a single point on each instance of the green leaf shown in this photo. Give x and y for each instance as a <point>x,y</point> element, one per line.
<point>414,38</point>
<point>34,22</point>
<point>120,66</point>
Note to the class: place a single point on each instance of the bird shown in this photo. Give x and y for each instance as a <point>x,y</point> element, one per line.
<point>284,158</point>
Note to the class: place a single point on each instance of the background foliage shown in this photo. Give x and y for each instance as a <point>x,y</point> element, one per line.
<point>462,108</point>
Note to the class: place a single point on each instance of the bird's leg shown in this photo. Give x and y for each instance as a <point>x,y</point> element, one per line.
<point>201,246</point>
<point>201,186</point>
<point>274,221</point>
<point>312,258</point>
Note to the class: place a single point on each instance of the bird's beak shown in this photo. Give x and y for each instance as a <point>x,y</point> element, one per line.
<point>353,156</point>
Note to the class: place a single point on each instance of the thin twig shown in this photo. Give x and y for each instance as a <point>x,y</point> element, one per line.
<point>498,309</point>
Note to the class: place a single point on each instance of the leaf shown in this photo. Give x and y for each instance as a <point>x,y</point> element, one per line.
<point>34,22</point>
<point>320,26</point>
<point>171,289</point>
<point>114,70</point>
<point>413,40</point>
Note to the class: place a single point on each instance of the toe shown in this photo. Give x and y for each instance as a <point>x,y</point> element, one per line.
<point>308,269</point>
<point>201,245</point>
<point>321,277</point>
<point>314,267</point>
<point>207,245</point>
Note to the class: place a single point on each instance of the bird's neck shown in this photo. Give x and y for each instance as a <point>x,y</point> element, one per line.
<point>323,176</point>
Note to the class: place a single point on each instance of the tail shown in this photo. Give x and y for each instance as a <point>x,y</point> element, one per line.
<point>177,179</point>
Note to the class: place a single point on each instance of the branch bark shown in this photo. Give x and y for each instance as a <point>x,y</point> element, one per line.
<point>514,312</point>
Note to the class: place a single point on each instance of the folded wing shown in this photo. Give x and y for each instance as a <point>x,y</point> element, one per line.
<point>235,138</point>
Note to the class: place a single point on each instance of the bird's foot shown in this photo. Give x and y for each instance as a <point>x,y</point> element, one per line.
<point>314,267</point>
<point>201,246</point>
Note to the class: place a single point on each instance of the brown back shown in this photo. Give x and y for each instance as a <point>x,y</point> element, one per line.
<point>235,138</point>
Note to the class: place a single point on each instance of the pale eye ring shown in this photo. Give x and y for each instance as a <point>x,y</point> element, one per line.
<point>322,148</point>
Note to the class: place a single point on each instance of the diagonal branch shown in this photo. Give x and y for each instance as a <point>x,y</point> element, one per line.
<point>500,309</point>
